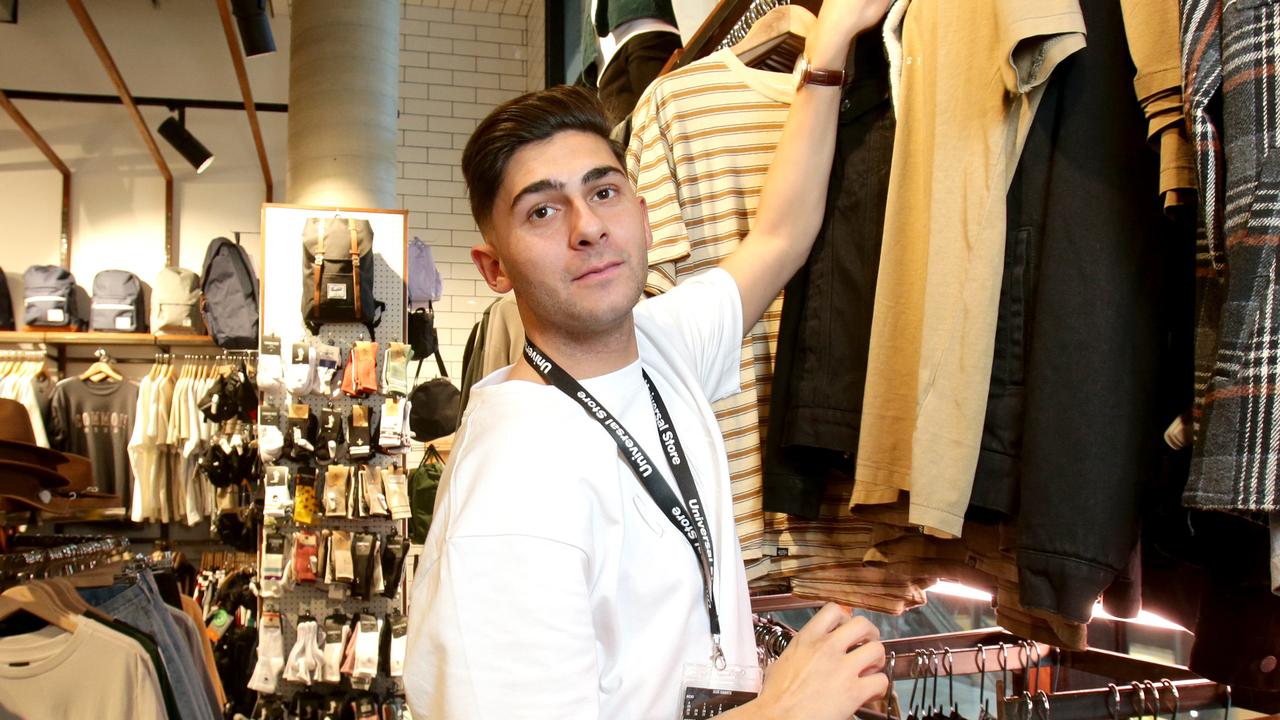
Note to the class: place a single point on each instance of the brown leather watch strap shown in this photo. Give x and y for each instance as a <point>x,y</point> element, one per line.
<point>826,78</point>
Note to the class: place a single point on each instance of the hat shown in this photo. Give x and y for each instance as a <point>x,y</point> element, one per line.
<point>30,487</point>
<point>18,444</point>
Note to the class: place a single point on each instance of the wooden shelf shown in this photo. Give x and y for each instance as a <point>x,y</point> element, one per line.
<point>105,338</point>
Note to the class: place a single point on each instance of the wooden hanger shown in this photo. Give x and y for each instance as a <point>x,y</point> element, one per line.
<point>101,370</point>
<point>22,598</point>
<point>776,40</point>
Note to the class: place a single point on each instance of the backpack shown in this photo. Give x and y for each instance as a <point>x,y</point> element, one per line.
<point>337,273</point>
<point>117,304</point>
<point>49,297</point>
<point>6,304</point>
<point>175,302</point>
<point>230,288</point>
<point>422,275</point>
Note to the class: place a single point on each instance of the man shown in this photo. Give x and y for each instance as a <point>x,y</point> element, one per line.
<point>583,561</point>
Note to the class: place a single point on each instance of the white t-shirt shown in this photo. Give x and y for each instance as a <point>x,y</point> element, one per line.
<point>551,586</point>
<point>94,672</point>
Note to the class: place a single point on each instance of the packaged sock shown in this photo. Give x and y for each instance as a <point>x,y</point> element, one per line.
<point>305,503</point>
<point>328,362</point>
<point>375,495</point>
<point>396,487</point>
<point>300,375</point>
<point>335,491</point>
<point>395,369</point>
<point>336,632</point>
<point>266,673</point>
<point>270,366</point>
<point>270,439</point>
<point>390,434</point>
<point>359,441</point>
<point>340,556</point>
<point>278,501</point>
<point>305,557</point>
<point>367,369</point>
<point>329,438</point>
<point>300,432</point>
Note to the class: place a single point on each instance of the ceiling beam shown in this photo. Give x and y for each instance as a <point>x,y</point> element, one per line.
<point>64,245</point>
<point>242,76</point>
<point>113,72</point>
<point>139,100</point>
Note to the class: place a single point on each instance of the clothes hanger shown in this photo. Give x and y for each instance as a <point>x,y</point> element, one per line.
<point>776,40</point>
<point>21,598</point>
<point>101,370</point>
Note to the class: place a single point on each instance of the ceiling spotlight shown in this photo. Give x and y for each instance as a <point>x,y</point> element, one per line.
<point>255,30</point>
<point>174,130</point>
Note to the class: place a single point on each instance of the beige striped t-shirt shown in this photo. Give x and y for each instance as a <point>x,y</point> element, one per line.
<point>702,141</point>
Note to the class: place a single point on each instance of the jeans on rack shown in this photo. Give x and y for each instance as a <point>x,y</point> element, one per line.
<point>139,604</point>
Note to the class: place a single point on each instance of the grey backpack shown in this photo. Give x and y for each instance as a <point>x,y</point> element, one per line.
<point>230,296</point>
<point>117,304</point>
<point>49,297</point>
<point>175,302</point>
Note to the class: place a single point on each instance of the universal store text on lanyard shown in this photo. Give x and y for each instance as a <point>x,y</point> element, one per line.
<point>687,515</point>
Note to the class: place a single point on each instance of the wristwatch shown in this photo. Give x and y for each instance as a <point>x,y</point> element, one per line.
<point>806,74</point>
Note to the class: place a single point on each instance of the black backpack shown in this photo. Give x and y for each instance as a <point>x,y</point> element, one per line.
<point>117,304</point>
<point>49,297</point>
<point>337,273</point>
<point>6,304</point>
<point>230,287</point>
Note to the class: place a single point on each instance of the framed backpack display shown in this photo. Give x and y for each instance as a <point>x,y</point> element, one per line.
<point>338,273</point>
<point>117,304</point>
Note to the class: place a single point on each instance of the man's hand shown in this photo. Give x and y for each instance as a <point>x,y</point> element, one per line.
<point>838,22</point>
<point>795,190</point>
<point>831,668</point>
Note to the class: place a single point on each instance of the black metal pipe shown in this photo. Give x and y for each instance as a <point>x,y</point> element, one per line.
<point>172,103</point>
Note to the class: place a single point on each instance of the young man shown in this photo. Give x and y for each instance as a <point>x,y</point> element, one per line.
<point>583,561</point>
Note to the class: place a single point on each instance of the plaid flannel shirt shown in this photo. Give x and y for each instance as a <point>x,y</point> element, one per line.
<point>1231,51</point>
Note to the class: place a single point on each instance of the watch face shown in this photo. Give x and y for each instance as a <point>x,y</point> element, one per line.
<point>801,73</point>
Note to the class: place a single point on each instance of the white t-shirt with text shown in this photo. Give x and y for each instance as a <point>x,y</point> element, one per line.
<point>551,585</point>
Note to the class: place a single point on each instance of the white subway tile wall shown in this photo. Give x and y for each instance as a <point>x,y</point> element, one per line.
<point>458,60</point>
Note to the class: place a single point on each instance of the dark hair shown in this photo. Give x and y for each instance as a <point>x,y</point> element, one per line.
<point>529,118</point>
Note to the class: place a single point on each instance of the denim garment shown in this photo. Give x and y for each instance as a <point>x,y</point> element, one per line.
<point>140,605</point>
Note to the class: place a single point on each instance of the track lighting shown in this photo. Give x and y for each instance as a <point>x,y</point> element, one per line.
<point>174,130</point>
<point>8,11</point>
<point>255,30</point>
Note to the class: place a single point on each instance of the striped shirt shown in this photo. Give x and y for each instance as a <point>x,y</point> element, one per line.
<point>702,140</point>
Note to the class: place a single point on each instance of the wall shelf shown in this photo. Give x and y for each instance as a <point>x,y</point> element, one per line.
<point>105,338</point>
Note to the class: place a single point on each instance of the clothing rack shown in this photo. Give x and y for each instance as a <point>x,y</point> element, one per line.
<point>1116,701</point>
<point>36,557</point>
<point>727,24</point>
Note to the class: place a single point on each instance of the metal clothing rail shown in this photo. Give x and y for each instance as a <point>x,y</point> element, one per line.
<point>1137,699</point>
<point>38,557</point>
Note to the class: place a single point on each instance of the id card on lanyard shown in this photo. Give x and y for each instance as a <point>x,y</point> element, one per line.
<point>687,514</point>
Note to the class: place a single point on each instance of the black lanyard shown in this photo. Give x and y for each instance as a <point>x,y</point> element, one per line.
<point>688,515</point>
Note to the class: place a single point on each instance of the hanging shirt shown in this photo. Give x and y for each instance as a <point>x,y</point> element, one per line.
<point>702,141</point>
<point>96,420</point>
<point>21,388</point>
<point>967,78</point>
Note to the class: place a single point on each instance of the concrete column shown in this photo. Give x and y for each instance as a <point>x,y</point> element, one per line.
<point>344,67</point>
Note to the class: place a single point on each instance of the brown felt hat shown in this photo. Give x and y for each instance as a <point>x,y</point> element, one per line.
<point>30,487</point>
<point>18,444</point>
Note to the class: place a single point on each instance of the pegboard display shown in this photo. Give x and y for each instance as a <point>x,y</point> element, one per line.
<point>282,288</point>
